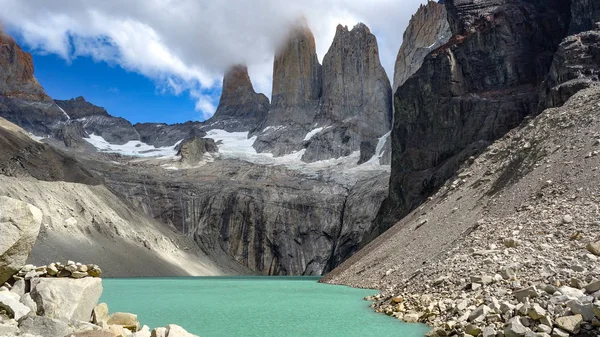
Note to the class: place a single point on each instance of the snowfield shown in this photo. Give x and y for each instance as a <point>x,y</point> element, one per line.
<point>132,148</point>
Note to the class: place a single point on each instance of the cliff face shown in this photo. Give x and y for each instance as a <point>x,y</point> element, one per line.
<point>297,87</point>
<point>427,30</point>
<point>79,108</point>
<point>240,107</point>
<point>469,92</point>
<point>357,99</point>
<point>584,15</point>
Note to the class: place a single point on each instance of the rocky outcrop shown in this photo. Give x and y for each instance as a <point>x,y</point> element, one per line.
<point>161,135</point>
<point>297,87</point>
<point>356,106</point>
<point>427,30</point>
<point>72,135</point>
<point>79,108</point>
<point>192,150</point>
<point>469,92</point>
<point>19,224</point>
<point>576,66</point>
<point>16,77</point>
<point>240,107</point>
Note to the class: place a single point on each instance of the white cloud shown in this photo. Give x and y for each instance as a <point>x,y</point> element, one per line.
<point>188,44</point>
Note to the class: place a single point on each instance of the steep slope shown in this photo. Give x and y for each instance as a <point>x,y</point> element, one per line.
<point>427,30</point>
<point>240,107</point>
<point>527,206</point>
<point>85,220</point>
<point>468,93</point>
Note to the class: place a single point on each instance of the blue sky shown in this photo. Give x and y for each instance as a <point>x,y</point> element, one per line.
<point>123,93</point>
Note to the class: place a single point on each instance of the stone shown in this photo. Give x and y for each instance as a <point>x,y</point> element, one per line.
<point>19,287</point>
<point>29,302</point>
<point>78,274</point>
<point>596,309</point>
<point>19,224</point>
<point>95,333</point>
<point>571,292</point>
<point>52,270</point>
<point>489,331</point>
<point>567,219</point>
<point>515,328</point>
<point>569,323</point>
<point>486,279</point>
<point>159,332</point>
<point>143,332</point>
<point>544,328</point>
<point>529,292</point>
<point>118,330</point>
<point>95,271</point>
<point>100,314</point>
<point>411,318</point>
<point>177,331</point>
<point>594,248</point>
<point>536,312</point>
<point>9,301</point>
<point>559,333</point>
<point>472,330</point>
<point>593,286</point>
<point>44,326</point>
<point>512,242</point>
<point>67,299</point>
<point>586,310</point>
<point>126,320</point>
<point>547,320</point>
<point>9,328</point>
<point>479,314</point>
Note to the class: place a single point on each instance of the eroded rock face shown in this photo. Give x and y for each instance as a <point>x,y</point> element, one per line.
<point>576,66</point>
<point>19,227</point>
<point>357,98</point>
<point>240,107</point>
<point>584,15</point>
<point>427,30</point>
<point>297,86</point>
<point>79,108</point>
<point>192,150</point>
<point>469,92</point>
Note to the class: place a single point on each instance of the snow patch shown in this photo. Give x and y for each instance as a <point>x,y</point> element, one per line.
<point>64,112</point>
<point>313,132</point>
<point>375,160</point>
<point>132,148</point>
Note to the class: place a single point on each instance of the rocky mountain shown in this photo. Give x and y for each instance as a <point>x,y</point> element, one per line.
<point>240,107</point>
<point>427,30</point>
<point>81,217</point>
<point>468,93</point>
<point>329,111</point>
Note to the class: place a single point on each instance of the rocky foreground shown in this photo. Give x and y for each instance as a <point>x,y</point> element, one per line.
<point>62,300</point>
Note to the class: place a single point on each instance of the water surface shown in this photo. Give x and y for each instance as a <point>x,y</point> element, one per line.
<point>253,306</point>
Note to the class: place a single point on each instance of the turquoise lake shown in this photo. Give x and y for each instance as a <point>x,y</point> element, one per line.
<point>253,306</point>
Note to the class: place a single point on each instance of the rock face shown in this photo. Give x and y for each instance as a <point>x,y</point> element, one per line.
<point>19,224</point>
<point>240,107</point>
<point>427,30</point>
<point>161,135</point>
<point>584,15</point>
<point>469,92</point>
<point>78,108</point>
<point>576,66</point>
<point>192,150</point>
<point>297,87</point>
<point>356,104</point>
<point>16,78</point>
<point>270,219</point>
<point>67,299</point>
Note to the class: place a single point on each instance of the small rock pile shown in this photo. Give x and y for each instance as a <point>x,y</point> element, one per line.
<point>62,300</point>
<point>56,269</point>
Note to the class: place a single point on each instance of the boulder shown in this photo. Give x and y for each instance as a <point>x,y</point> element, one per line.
<point>570,323</point>
<point>9,328</point>
<point>144,332</point>
<point>159,332</point>
<point>29,302</point>
<point>126,320</point>
<point>95,333</point>
<point>67,299</point>
<point>515,328</point>
<point>19,227</point>
<point>177,331</point>
<point>100,314</point>
<point>529,292</point>
<point>44,326</point>
<point>584,309</point>
<point>594,248</point>
<point>9,301</point>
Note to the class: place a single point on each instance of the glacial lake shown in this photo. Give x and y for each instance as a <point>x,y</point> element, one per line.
<point>253,306</point>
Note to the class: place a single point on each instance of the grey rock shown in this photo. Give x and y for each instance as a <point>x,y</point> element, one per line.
<point>515,328</point>
<point>427,30</point>
<point>67,299</point>
<point>529,292</point>
<point>9,302</point>
<point>240,107</point>
<point>163,135</point>
<point>584,309</point>
<point>19,224</point>
<point>44,326</point>
<point>29,302</point>
<point>584,14</point>
<point>9,328</point>
<point>570,323</point>
<point>192,150</point>
<point>79,108</point>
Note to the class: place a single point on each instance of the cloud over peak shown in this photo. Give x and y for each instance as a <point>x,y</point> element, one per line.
<point>186,45</point>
